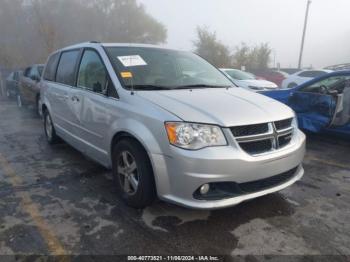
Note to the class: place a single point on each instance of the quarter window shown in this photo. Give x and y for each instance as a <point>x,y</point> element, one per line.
<point>66,67</point>
<point>50,70</point>
<point>92,73</point>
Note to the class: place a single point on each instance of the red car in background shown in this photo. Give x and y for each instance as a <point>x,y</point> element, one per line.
<point>274,76</point>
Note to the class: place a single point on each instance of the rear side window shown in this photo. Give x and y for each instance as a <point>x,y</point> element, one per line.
<point>66,67</point>
<point>16,76</point>
<point>27,71</point>
<point>51,66</point>
<point>34,72</point>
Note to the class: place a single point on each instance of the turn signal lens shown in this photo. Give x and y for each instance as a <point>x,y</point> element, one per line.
<point>171,130</point>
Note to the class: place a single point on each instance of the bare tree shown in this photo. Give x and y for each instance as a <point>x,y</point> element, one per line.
<point>253,58</point>
<point>241,56</point>
<point>209,47</point>
<point>31,29</point>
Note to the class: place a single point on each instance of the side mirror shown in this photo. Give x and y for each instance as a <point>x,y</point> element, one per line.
<point>97,87</point>
<point>105,92</point>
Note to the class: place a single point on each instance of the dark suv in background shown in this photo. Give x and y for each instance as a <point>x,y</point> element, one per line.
<point>11,84</point>
<point>29,89</point>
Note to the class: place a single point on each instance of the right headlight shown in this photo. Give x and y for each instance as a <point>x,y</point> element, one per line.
<point>194,136</point>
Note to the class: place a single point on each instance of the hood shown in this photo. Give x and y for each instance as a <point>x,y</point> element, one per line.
<point>224,107</point>
<point>258,83</point>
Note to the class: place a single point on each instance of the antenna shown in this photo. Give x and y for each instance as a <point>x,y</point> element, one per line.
<point>128,38</point>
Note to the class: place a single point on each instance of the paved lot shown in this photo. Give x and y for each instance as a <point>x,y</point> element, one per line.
<point>55,201</point>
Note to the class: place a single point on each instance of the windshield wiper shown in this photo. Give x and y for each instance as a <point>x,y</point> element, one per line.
<point>199,86</point>
<point>148,87</point>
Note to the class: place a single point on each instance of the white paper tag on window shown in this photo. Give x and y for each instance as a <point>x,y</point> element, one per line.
<point>132,60</point>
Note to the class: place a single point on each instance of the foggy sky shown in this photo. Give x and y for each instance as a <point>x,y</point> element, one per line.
<point>278,22</point>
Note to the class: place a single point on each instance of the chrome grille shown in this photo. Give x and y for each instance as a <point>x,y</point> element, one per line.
<point>284,140</point>
<point>250,130</point>
<point>257,147</point>
<point>263,138</point>
<point>283,124</point>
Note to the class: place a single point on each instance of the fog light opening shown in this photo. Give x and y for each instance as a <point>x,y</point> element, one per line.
<point>204,189</point>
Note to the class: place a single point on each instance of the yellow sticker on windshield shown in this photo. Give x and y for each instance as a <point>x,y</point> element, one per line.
<point>126,74</point>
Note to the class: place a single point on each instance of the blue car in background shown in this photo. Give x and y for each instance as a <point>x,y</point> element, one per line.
<point>321,104</point>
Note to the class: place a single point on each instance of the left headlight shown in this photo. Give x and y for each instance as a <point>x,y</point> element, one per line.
<point>194,136</point>
<point>295,122</point>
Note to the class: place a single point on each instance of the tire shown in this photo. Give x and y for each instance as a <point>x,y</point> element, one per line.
<point>19,100</point>
<point>38,107</point>
<point>8,94</point>
<point>292,85</point>
<point>49,129</point>
<point>132,166</point>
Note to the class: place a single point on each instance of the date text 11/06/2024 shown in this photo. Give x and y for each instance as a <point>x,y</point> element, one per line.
<point>174,258</point>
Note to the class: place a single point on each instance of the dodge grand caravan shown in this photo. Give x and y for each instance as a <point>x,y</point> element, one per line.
<point>169,124</point>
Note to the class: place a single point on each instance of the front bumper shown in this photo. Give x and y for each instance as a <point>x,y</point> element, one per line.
<point>180,174</point>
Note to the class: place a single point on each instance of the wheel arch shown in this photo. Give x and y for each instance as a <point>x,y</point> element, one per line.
<point>127,135</point>
<point>118,136</point>
<point>44,107</point>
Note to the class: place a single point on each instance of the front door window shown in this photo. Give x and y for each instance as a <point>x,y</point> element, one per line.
<point>92,73</point>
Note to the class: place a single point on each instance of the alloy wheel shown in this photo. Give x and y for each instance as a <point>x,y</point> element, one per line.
<point>128,172</point>
<point>48,126</point>
<point>39,107</point>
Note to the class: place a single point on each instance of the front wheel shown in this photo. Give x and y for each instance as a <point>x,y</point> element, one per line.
<point>133,175</point>
<point>50,132</point>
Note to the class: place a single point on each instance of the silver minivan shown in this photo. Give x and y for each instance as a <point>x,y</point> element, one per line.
<point>169,124</point>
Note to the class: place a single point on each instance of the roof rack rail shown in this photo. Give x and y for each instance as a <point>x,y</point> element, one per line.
<point>94,42</point>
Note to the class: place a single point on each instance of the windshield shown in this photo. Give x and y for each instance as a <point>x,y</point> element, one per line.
<point>239,75</point>
<point>333,83</point>
<point>154,68</point>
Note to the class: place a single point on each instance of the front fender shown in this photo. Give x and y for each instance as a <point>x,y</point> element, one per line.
<point>141,132</point>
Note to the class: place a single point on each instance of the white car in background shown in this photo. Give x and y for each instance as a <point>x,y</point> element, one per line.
<point>302,77</point>
<point>248,80</point>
